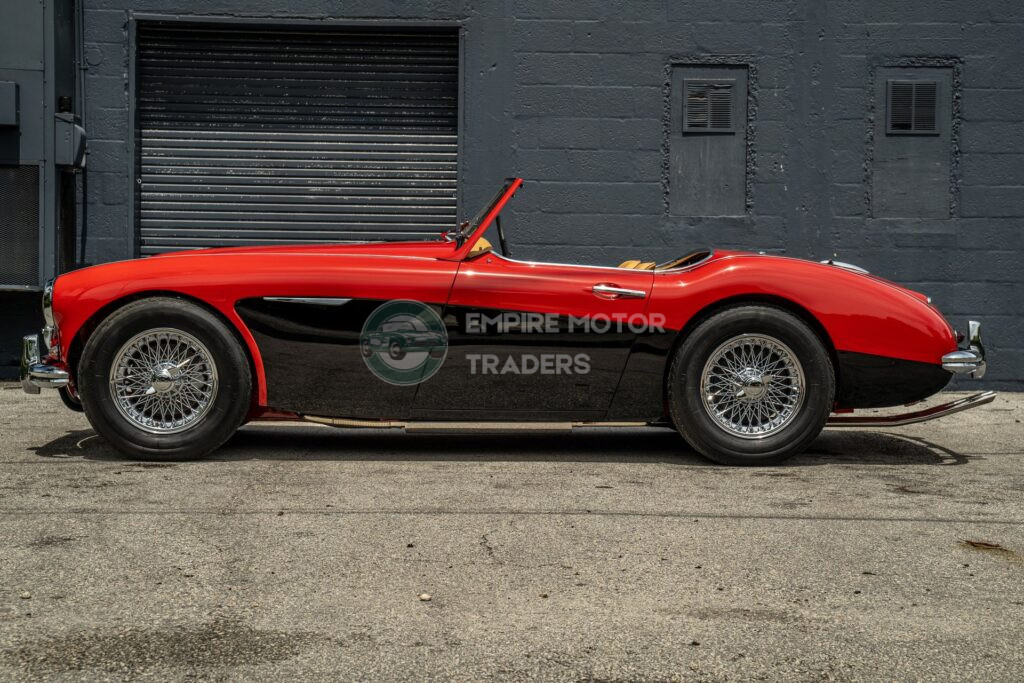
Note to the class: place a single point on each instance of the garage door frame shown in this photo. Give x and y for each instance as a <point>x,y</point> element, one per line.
<point>134,18</point>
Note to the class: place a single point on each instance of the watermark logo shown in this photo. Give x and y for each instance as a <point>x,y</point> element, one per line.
<point>508,322</point>
<point>403,342</point>
<point>529,364</point>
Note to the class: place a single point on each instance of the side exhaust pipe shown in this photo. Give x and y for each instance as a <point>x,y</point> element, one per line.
<point>470,427</point>
<point>933,413</point>
<point>466,427</point>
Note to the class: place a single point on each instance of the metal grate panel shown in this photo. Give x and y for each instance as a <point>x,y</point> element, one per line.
<point>707,106</point>
<point>289,135</point>
<point>912,107</point>
<point>19,226</point>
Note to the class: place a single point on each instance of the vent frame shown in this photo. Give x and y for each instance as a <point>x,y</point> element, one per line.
<point>920,115</point>
<point>692,111</point>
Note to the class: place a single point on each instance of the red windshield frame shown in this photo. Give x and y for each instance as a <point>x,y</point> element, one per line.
<point>511,185</point>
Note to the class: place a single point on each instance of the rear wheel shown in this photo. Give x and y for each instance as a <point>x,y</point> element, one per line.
<point>751,385</point>
<point>163,379</point>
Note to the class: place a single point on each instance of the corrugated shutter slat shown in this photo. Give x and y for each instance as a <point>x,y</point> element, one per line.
<point>289,135</point>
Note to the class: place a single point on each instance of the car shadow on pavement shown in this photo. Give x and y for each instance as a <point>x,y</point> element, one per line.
<point>306,442</point>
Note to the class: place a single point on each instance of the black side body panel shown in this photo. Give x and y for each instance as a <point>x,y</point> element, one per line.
<point>641,391</point>
<point>867,381</point>
<point>312,361</point>
<point>461,389</point>
<point>313,366</point>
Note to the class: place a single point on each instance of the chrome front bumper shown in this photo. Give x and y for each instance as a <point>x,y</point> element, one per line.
<point>36,374</point>
<point>970,360</point>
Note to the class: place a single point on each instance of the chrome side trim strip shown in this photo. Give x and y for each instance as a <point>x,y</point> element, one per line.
<point>932,413</point>
<point>309,300</point>
<point>845,266</point>
<point>353,422</point>
<point>466,427</point>
<point>486,427</point>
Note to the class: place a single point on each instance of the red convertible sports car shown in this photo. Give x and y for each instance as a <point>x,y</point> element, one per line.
<point>747,356</point>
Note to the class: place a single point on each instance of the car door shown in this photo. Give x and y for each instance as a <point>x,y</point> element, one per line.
<point>534,341</point>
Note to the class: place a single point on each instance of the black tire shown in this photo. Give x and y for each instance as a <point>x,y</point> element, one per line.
<point>366,348</point>
<point>70,399</point>
<point>395,350</point>
<point>227,410</point>
<point>693,420</point>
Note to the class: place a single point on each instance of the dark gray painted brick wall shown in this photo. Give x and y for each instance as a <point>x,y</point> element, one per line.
<point>572,96</point>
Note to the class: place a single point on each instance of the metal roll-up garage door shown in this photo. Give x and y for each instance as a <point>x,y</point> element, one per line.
<point>290,135</point>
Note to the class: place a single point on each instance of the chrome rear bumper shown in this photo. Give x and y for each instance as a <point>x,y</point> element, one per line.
<point>970,360</point>
<point>932,413</point>
<point>36,374</point>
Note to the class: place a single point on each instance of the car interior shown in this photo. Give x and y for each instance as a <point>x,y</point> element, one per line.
<point>483,245</point>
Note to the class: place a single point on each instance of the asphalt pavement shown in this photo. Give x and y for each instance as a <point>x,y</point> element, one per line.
<point>306,551</point>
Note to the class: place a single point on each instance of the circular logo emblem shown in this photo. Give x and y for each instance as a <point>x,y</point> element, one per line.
<point>403,342</point>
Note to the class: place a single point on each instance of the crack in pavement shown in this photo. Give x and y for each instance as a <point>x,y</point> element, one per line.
<point>520,513</point>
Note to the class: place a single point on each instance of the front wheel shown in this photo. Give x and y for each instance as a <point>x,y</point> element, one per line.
<point>751,385</point>
<point>164,379</point>
<point>69,397</point>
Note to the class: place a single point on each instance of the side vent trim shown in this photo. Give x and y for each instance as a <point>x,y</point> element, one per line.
<point>912,107</point>
<point>708,105</point>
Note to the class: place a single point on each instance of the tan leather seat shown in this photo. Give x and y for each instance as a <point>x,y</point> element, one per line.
<point>480,247</point>
<point>636,264</point>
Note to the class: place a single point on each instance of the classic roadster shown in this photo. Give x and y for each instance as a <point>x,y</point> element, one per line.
<point>748,356</point>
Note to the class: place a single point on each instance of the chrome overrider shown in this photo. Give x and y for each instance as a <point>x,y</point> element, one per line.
<point>37,372</point>
<point>970,360</point>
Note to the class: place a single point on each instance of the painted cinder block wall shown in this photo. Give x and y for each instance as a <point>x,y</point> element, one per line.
<point>573,96</point>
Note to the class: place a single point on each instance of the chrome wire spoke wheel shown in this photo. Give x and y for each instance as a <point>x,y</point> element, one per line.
<point>163,381</point>
<point>752,386</point>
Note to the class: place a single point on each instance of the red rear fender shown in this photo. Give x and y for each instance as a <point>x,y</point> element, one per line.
<point>860,314</point>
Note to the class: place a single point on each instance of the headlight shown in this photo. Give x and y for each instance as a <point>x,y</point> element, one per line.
<point>48,303</point>
<point>51,335</point>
